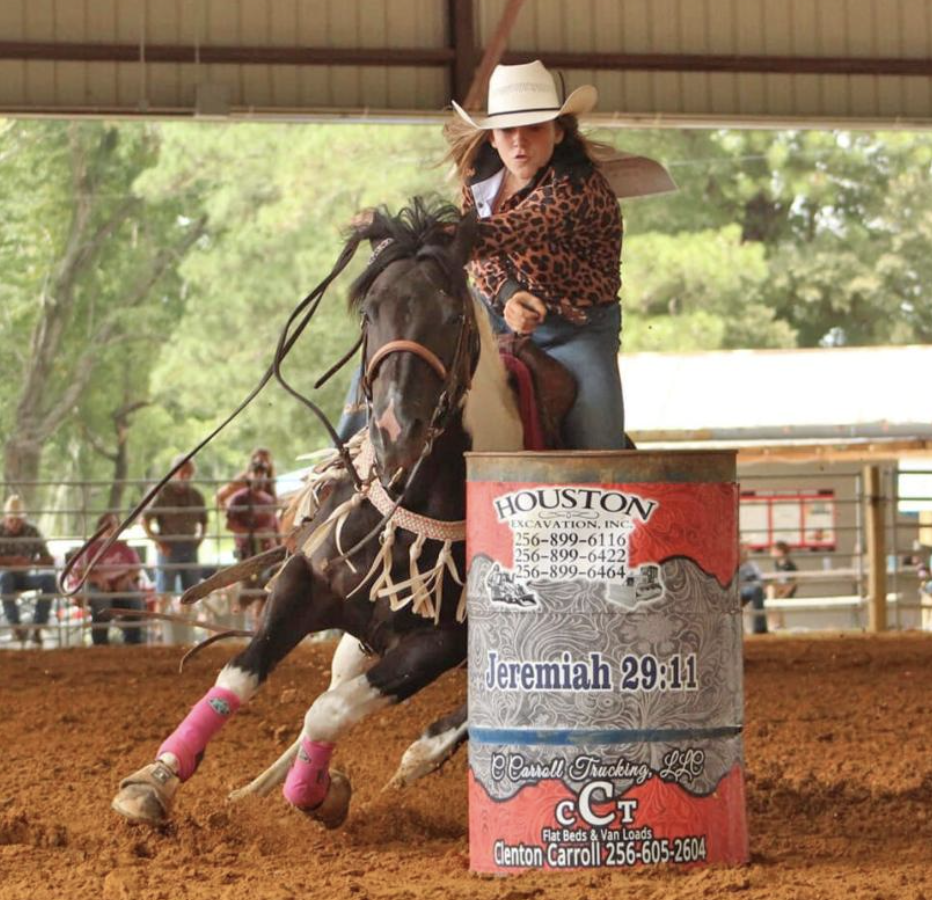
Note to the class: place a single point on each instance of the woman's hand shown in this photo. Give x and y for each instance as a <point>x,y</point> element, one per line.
<point>524,312</point>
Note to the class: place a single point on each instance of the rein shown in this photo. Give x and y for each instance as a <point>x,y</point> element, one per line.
<point>298,320</point>
<point>286,342</point>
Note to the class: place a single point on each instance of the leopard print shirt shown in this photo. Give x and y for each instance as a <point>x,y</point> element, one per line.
<point>560,240</point>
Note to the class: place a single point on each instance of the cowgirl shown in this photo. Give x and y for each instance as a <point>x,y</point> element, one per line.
<point>547,256</point>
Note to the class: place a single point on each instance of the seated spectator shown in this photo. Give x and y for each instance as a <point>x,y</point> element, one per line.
<point>26,565</point>
<point>751,588</point>
<point>785,585</point>
<point>113,583</point>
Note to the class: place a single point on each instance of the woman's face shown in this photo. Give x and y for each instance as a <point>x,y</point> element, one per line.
<point>525,150</point>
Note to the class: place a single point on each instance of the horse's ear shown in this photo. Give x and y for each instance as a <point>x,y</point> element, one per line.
<point>465,238</point>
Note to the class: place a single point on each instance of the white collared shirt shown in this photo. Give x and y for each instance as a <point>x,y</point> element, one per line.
<point>485,192</point>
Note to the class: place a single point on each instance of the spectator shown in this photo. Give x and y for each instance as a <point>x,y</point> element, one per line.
<point>114,582</point>
<point>785,585</point>
<point>249,502</point>
<point>22,550</point>
<point>260,472</point>
<point>751,588</point>
<point>180,519</point>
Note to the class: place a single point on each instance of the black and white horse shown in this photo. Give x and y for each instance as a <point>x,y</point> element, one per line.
<point>436,388</point>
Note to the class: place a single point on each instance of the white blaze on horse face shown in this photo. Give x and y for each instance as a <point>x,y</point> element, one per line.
<point>242,683</point>
<point>388,421</point>
<point>491,416</point>
<point>342,707</point>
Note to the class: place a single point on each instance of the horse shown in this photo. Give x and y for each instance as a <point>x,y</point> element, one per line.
<point>436,388</point>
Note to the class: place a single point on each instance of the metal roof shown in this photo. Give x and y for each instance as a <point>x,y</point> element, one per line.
<point>759,396</point>
<point>654,61</point>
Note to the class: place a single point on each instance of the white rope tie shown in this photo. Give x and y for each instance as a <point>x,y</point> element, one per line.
<point>423,590</point>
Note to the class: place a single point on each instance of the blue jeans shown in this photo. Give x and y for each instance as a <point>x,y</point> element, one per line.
<point>16,582</point>
<point>354,421</point>
<point>167,577</point>
<point>590,351</point>
<point>754,594</point>
<point>99,618</point>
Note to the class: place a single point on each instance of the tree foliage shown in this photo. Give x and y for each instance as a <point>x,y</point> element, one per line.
<point>148,269</point>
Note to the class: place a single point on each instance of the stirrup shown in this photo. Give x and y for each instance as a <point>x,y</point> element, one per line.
<point>146,795</point>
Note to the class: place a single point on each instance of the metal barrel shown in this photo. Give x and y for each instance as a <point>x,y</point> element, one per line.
<point>605,661</point>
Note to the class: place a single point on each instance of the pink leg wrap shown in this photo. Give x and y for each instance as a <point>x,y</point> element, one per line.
<point>188,741</point>
<point>309,777</point>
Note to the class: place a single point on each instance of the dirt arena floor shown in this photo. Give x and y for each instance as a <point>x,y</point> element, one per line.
<point>839,771</point>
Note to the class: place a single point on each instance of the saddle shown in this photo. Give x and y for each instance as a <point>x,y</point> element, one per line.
<point>545,388</point>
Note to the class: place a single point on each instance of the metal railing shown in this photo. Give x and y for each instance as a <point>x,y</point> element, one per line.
<point>66,516</point>
<point>868,578</point>
<point>867,571</point>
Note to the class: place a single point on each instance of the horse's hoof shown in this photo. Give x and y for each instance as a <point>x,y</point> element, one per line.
<point>146,796</point>
<point>333,809</point>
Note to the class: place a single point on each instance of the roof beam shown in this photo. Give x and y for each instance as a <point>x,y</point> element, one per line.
<point>493,54</point>
<point>460,15</point>
<point>778,65</point>
<point>447,56</point>
<point>261,56</point>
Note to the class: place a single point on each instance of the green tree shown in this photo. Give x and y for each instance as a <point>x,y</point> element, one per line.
<point>278,201</point>
<point>88,280</point>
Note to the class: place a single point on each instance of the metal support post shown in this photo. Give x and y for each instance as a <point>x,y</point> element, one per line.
<point>876,550</point>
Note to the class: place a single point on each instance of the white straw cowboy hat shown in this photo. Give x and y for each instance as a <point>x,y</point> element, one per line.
<point>14,506</point>
<point>526,95</point>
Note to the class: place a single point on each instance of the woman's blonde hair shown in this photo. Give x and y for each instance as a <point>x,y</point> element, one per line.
<point>464,141</point>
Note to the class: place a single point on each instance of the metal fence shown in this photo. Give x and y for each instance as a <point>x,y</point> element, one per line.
<point>66,515</point>
<point>864,572</point>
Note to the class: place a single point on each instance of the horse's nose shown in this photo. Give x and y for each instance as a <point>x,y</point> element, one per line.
<point>399,443</point>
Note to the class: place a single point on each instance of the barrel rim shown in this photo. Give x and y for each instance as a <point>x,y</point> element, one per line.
<point>594,454</point>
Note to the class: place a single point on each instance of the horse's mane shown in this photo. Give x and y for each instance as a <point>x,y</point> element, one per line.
<point>422,230</point>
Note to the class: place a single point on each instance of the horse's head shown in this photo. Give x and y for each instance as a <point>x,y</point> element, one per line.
<point>420,337</point>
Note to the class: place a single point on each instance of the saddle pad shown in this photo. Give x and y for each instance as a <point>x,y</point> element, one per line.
<point>527,401</point>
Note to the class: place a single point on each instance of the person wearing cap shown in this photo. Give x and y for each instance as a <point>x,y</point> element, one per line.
<point>547,256</point>
<point>22,548</point>
<point>177,522</point>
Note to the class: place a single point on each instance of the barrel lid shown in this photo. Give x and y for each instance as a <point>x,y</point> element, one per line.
<point>603,466</point>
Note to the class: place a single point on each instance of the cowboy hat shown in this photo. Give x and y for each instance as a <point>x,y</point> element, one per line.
<point>14,506</point>
<point>526,95</point>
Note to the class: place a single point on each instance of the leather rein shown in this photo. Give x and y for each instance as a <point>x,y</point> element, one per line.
<point>298,320</point>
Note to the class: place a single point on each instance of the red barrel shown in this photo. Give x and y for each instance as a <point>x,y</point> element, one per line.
<point>605,661</point>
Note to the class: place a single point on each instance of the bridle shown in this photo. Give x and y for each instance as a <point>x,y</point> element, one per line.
<point>455,388</point>
<point>456,379</point>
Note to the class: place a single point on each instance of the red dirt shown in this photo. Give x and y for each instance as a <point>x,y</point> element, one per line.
<point>839,773</point>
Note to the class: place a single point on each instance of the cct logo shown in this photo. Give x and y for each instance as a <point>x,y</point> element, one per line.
<point>570,812</point>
